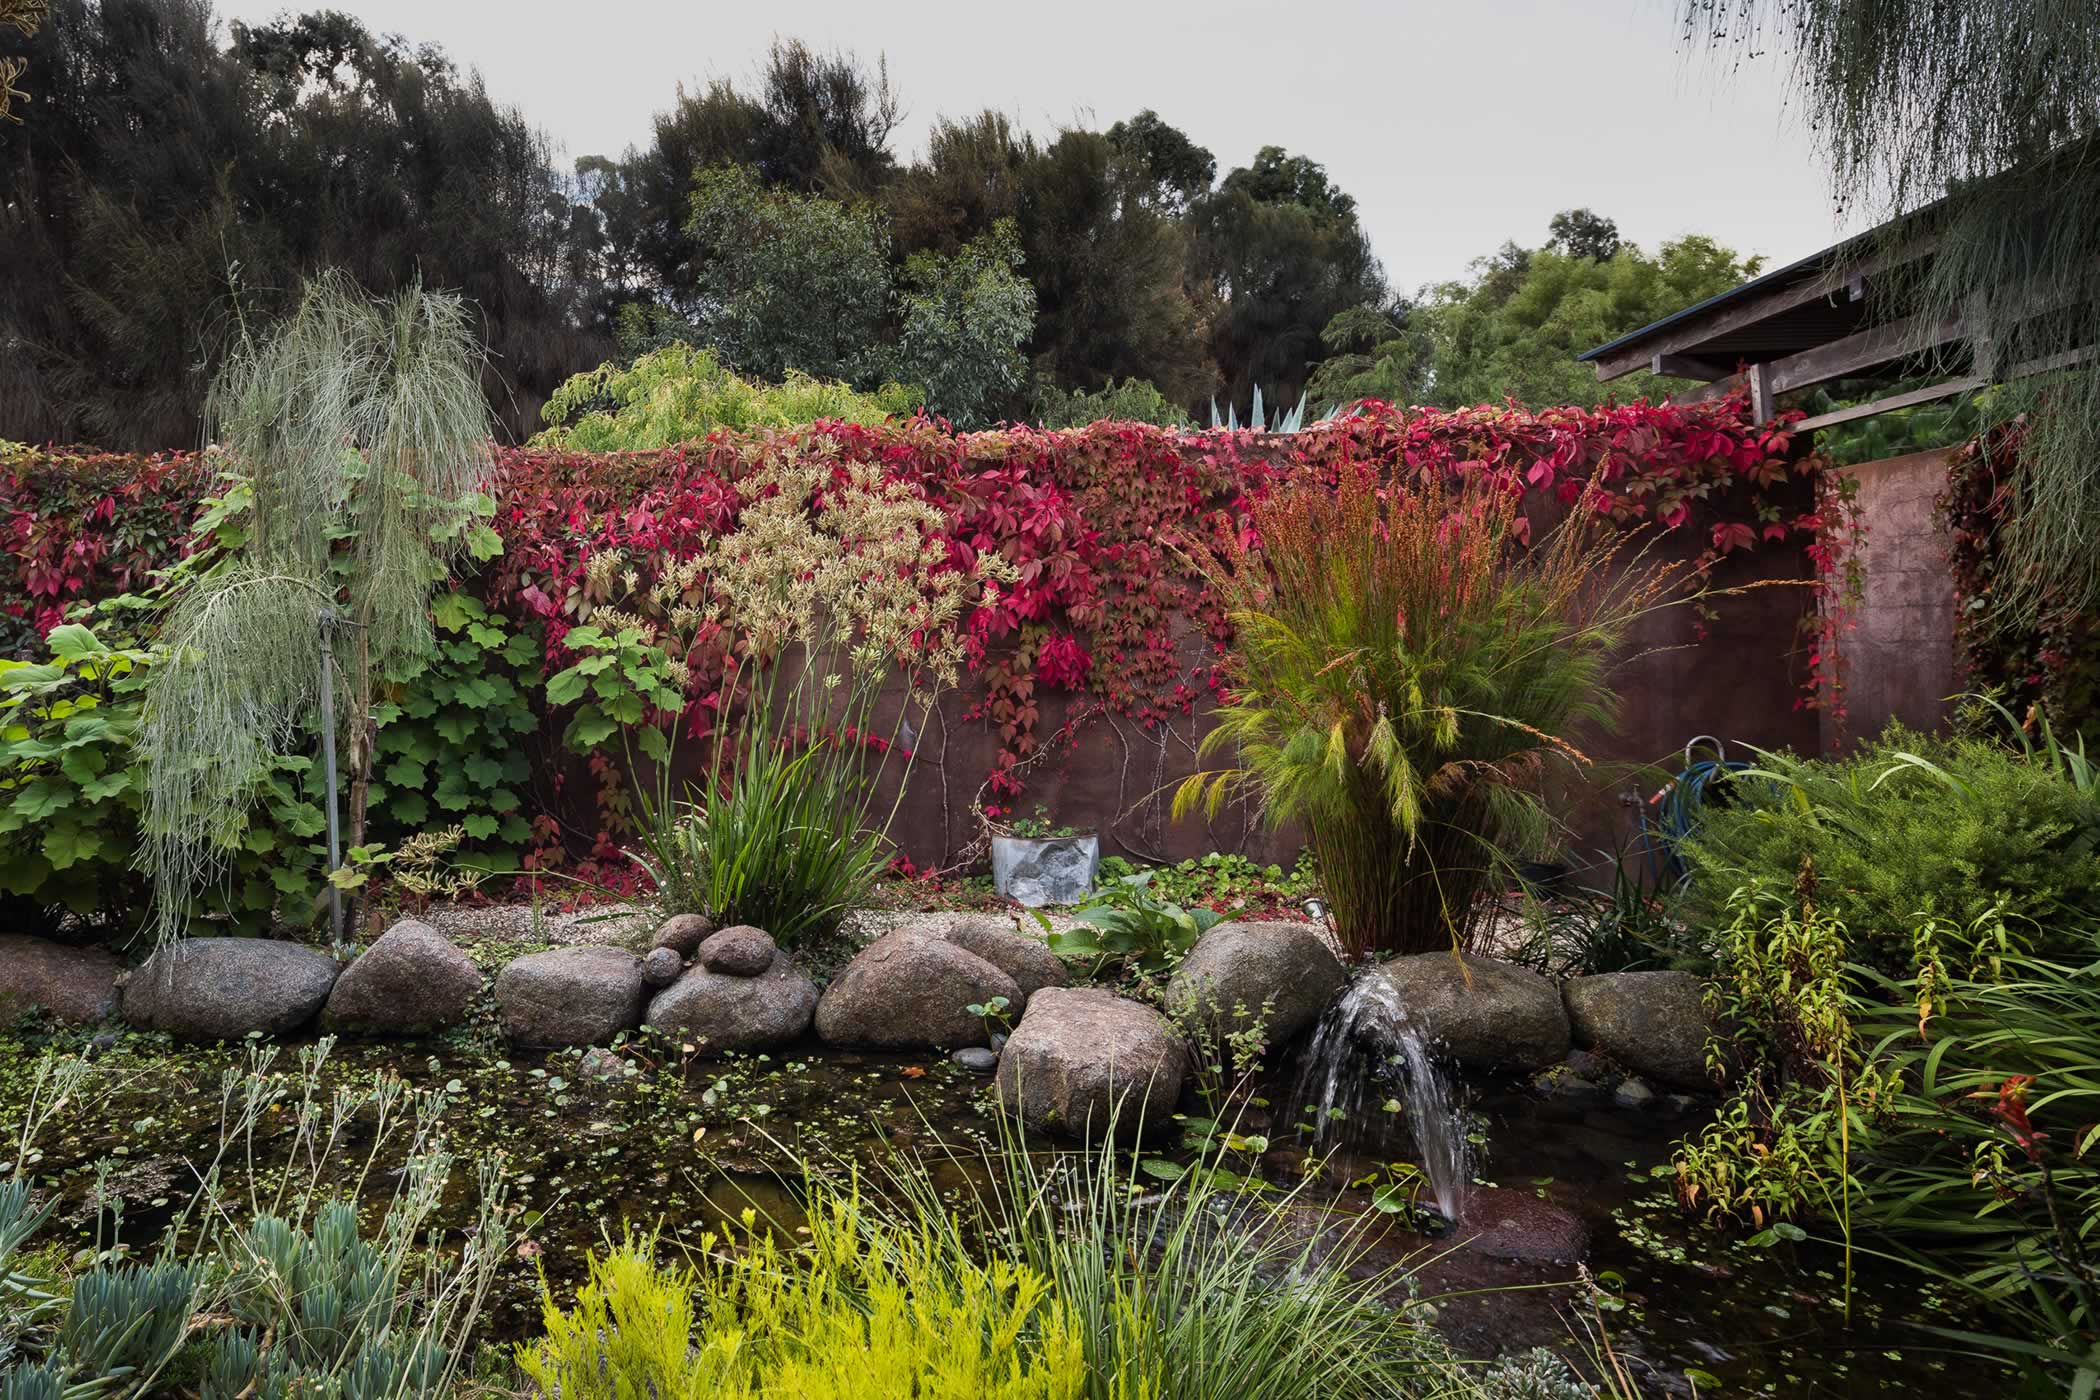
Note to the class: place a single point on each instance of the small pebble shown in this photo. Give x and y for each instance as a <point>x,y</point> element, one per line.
<point>661,967</point>
<point>600,1063</point>
<point>976,1057</point>
<point>998,1041</point>
<point>1633,1094</point>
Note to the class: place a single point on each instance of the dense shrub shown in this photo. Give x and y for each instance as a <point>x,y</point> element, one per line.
<point>679,394</point>
<point>1913,827</point>
<point>1132,401</point>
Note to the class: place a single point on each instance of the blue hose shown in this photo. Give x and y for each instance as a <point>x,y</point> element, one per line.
<point>1676,808</point>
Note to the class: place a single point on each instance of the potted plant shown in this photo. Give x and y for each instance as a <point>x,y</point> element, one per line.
<point>1037,863</point>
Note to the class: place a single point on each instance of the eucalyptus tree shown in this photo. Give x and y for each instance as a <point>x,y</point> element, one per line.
<point>1986,117</point>
<point>358,431</point>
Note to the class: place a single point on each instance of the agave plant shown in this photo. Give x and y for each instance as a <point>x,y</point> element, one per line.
<point>1257,419</point>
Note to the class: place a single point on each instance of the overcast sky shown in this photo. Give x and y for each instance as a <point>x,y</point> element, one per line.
<point>1457,124</point>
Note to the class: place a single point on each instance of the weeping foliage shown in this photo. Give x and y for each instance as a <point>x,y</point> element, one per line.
<point>1403,671</point>
<point>1996,105</point>
<point>359,430</point>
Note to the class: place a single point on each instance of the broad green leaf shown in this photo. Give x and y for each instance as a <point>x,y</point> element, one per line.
<point>72,642</point>
<point>66,844</point>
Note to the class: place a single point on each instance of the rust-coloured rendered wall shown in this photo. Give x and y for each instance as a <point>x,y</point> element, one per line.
<point>1742,682</point>
<point>1898,653</point>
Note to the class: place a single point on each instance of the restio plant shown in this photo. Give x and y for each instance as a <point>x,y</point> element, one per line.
<point>358,435</point>
<point>1403,668</point>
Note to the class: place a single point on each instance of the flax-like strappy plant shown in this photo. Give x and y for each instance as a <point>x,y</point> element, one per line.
<point>1403,671</point>
<point>360,431</point>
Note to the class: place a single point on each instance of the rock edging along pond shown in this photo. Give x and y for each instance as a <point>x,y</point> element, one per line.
<point>734,991</point>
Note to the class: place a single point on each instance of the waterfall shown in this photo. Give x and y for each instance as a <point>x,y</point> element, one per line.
<point>1361,1052</point>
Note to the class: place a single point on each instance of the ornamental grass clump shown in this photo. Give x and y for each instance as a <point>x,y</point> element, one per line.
<point>1405,669</point>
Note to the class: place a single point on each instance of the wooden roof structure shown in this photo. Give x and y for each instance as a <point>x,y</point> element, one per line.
<point>1811,323</point>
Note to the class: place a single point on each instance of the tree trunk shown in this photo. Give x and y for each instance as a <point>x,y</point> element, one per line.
<point>363,739</point>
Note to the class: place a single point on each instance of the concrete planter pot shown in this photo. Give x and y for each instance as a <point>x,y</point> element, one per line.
<point>1034,871</point>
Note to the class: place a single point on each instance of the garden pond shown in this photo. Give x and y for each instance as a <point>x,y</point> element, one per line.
<point>645,1136</point>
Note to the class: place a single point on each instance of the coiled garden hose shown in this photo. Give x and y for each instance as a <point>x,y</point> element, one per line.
<point>1672,813</point>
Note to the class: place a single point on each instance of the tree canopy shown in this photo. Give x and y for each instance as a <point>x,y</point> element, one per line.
<point>179,179</point>
<point>1513,327</point>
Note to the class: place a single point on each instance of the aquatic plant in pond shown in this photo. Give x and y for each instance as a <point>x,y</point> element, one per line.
<point>297,1295</point>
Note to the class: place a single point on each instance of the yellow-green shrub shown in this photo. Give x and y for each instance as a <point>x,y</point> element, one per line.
<point>862,1308</point>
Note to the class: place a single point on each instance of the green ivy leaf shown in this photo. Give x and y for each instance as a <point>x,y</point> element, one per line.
<point>654,745</point>
<point>67,845</point>
<point>566,687</point>
<point>107,786</point>
<point>480,825</point>
<point>40,799</point>
<point>453,610</point>
<point>590,728</point>
<point>73,641</point>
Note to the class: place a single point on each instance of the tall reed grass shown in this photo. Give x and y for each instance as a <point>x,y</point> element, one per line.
<point>1407,664</point>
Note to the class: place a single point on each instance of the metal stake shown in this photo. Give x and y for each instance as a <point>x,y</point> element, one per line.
<point>335,839</point>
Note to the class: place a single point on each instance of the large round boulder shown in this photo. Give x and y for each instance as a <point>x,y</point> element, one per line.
<point>1083,1058</point>
<point>409,982</point>
<point>1653,1023</point>
<point>570,996</point>
<point>223,988</point>
<point>720,1012</point>
<point>907,990</point>
<point>67,983</point>
<point>1484,1013</point>
<point>1027,960</point>
<point>1280,976</point>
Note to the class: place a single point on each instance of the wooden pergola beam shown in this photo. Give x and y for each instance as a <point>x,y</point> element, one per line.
<point>1843,283</point>
<point>1912,397</point>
